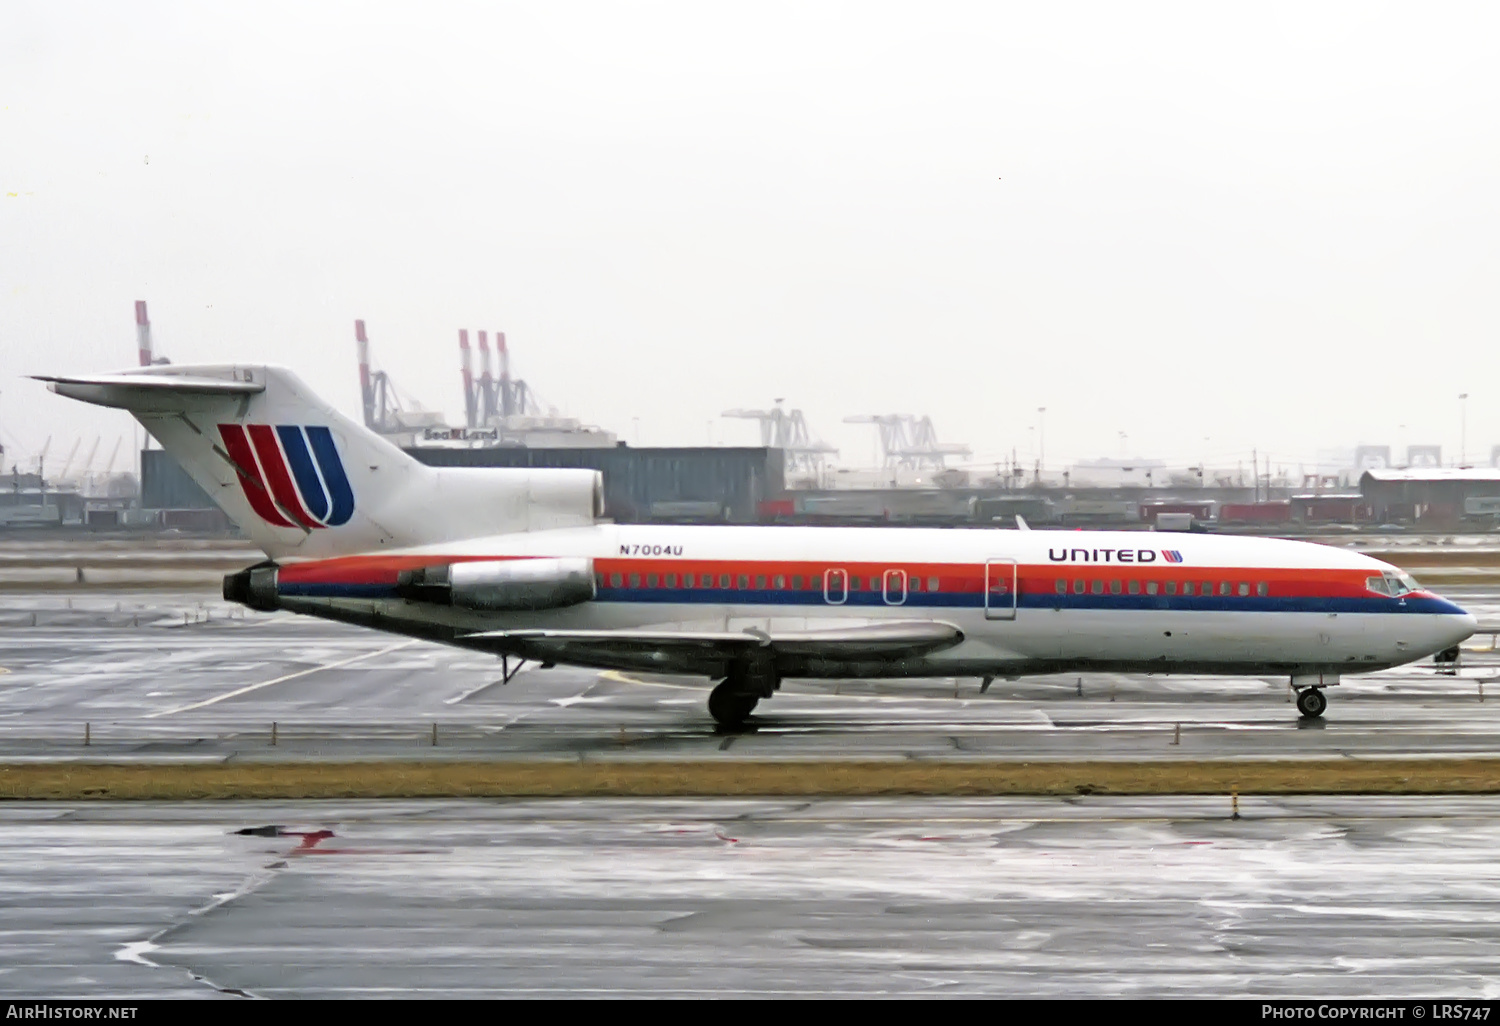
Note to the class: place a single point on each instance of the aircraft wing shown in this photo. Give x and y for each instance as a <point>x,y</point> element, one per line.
<point>886,639</point>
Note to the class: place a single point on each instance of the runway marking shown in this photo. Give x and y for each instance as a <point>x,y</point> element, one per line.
<point>278,680</point>
<point>466,695</point>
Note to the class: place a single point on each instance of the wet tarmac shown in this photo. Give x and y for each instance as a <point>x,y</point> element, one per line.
<point>1087,897</point>
<point>148,675</point>
<point>1083,897</point>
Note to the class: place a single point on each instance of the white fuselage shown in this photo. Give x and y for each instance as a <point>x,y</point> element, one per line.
<point>1025,601</point>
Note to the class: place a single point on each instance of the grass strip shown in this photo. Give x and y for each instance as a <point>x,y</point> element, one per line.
<point>288,780</point>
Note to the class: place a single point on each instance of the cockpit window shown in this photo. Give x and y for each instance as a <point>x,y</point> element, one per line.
<point>1393,583</point>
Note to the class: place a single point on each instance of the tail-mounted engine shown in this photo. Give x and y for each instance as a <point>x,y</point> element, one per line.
<point>254,587</point>
<point>503,584</point>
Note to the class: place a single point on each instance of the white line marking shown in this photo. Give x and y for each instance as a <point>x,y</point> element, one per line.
<point>466,695</point>
<point>277,680</point>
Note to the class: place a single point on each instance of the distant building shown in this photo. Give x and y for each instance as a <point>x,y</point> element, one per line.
<point>1122,473</point>
<point>716,483</point>
<point>1437,495</point>
<point>26,501</point>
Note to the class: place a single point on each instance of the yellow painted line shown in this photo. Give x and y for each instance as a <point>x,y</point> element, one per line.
<point>278,680</point>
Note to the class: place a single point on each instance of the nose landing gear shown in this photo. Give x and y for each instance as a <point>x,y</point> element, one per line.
<point>1310,698</point>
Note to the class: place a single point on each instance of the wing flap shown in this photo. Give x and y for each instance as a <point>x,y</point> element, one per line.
<point>888,640</point>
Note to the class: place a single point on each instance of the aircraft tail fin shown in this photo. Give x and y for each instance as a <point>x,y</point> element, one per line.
<point>304,481</point>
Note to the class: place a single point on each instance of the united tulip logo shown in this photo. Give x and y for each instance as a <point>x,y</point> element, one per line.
<point>291,474</point>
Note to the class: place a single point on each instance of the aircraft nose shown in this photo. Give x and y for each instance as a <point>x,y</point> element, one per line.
<point>1463,626</point>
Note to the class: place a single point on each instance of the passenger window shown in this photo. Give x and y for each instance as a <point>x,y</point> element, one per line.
<point>671,581</point>
<point>760,582</point>
<point>1224,588</point>
<point>1262,589</point>
<point>1078,586</point>
<point>1206,588</point>
<point>650,580</point>
<point>614,580</point>
<point>1097,587</point>
<point>914,583</point>
<point>635,580</point>
<point>687,580</point>
<point>932,584</point>
<point>1060,586</point>
<point>1187,587</point>
<point>744,582</point>
<point>1135,587</point>
<point>1151,587</point>
<point>724,580</point>
<point>853,583</point>
<point>1244,589</point>
<point>1114,587</point>
<point>781,582</point>
<point>796,582</point>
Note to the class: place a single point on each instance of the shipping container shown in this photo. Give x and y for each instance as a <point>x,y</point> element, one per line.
<point>1197,510</point>
<point>775,509</point>
<point>1255,512</point>
<point>1330,509</point>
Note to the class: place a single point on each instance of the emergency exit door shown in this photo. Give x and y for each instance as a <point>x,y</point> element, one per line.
<point>1000,589</point>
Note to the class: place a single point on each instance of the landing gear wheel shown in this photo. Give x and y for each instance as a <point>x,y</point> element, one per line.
<point>730,707</point>
<point>1311,702</point>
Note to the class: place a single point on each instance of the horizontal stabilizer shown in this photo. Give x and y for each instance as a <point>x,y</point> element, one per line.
<point>137,391</point>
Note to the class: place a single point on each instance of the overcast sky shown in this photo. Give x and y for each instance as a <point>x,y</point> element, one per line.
<point>1211,227</point>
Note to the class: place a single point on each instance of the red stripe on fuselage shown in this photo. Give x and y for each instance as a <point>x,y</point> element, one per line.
<point>368,569</point>
<point>1040,578</point>
<point>952,578</point>
<point>269,450</point>
<point>251,482</point>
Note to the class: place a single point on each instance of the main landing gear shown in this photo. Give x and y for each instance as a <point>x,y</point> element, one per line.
<point>728,706</point>
<point>751,678</point>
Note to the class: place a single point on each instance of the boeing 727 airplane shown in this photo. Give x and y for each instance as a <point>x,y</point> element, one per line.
<point>519,563</point>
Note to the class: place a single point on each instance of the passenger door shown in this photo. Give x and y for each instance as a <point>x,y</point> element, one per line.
<point>1000,589</point>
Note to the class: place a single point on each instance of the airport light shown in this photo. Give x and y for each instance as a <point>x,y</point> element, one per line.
<point>1041,446</point>
<point>1463,429</point>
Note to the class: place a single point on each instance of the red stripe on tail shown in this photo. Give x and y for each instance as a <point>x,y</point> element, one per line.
<point>238,447</point>
<point>280,478</point>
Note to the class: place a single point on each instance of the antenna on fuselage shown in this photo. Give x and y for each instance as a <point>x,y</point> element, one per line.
<point>1021,524</point>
